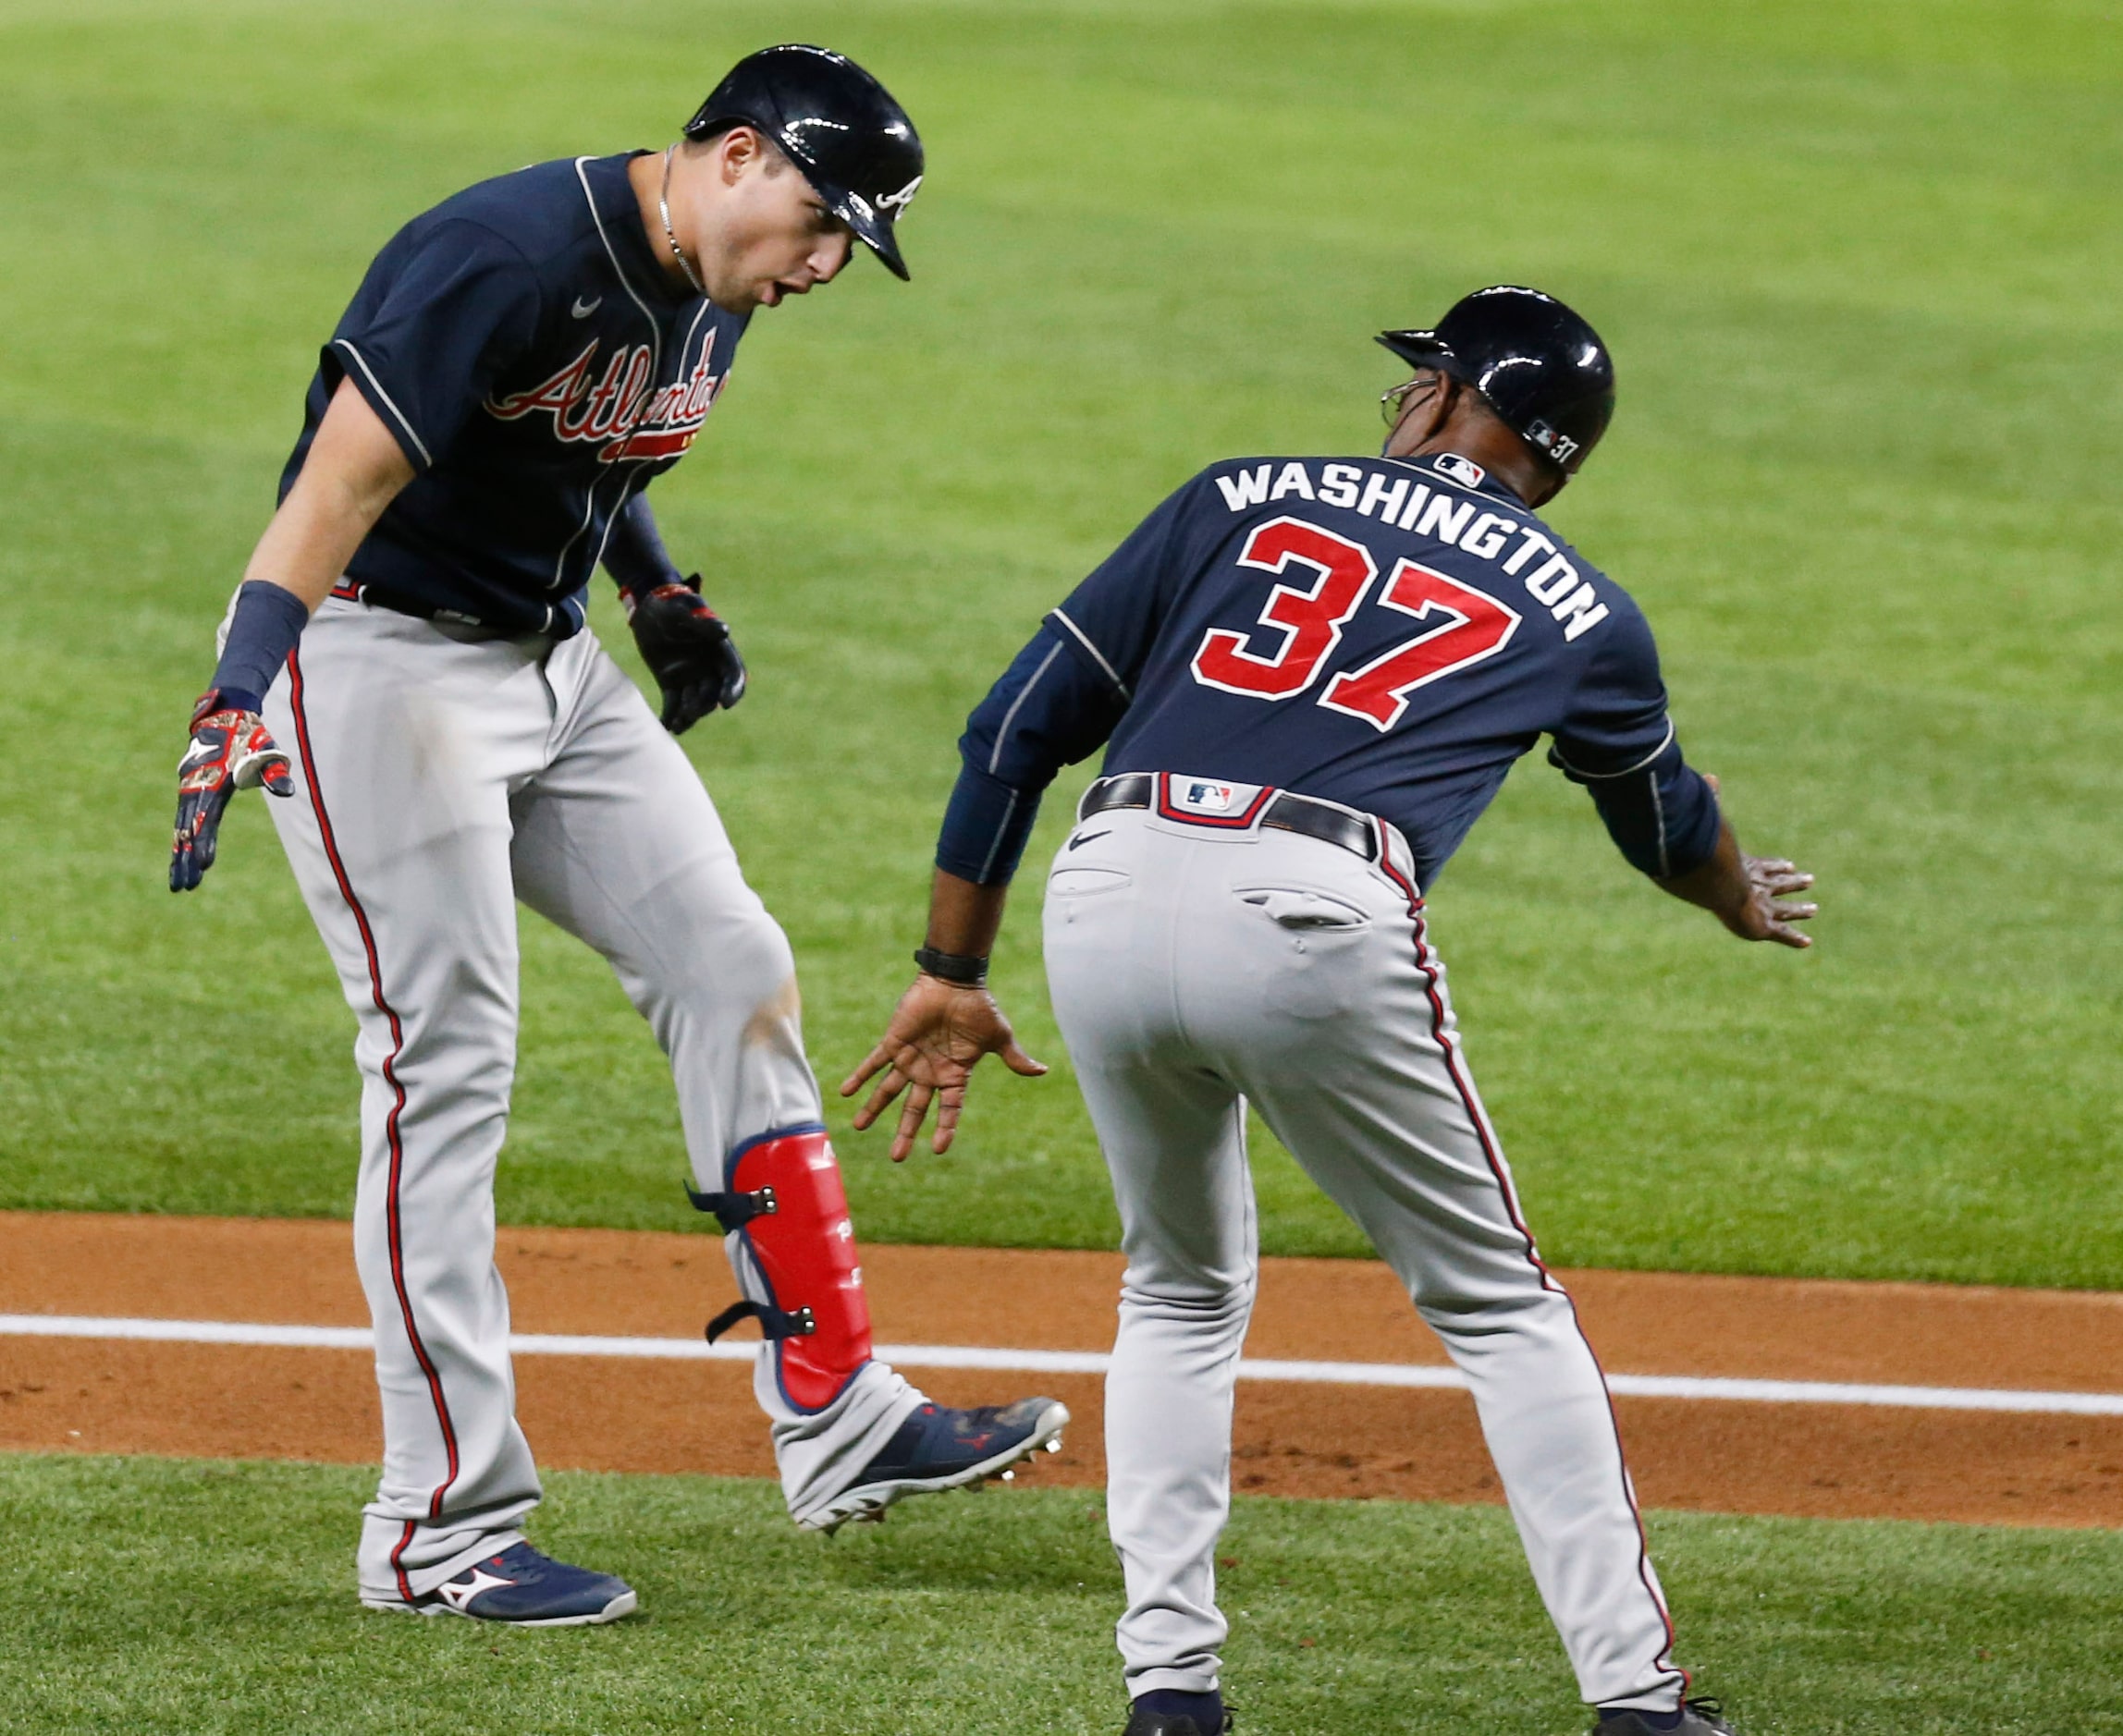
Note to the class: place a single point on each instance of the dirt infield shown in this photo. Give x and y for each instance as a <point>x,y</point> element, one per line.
<point>1312,1439</point>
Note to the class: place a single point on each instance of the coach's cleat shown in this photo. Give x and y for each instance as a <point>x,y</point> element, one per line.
<point>527,1590</point>
<point>939,1447</point>
<point>1166,1712</point>
<point>1697,1717</point>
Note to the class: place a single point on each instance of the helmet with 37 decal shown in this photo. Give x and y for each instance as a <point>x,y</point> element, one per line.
<point>835,122</point>
<point>1540,365</point>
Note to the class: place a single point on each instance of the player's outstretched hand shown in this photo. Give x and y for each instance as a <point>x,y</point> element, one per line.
<point>1766,915</point>
<point>229,751</point>
<point>938,1034</point>
<point>1760,911</point>
<point>688,649</point>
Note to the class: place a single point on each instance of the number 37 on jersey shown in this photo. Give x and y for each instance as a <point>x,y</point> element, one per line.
<point>1461,626</point>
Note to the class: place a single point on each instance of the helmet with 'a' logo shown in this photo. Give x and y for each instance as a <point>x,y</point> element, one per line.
<point>1542,369</point>
<point>835,122</point>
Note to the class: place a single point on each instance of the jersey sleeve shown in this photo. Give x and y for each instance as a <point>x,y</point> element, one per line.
<point>459,307</point>
<point>1061,698</point>
<point>1618,741</point>
<point>1110,622</point>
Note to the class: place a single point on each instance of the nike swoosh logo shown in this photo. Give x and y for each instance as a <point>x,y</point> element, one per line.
<point>1087,837</point>
<point>583,309</point>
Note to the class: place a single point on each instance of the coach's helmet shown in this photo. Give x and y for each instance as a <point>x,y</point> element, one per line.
<point>839,125</point>
<point>1542,369</point>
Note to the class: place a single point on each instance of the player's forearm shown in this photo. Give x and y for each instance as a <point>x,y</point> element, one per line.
<point>634,553</point>
<point>352,471</point>
<point>1719,885</point>
<point>964,917</point>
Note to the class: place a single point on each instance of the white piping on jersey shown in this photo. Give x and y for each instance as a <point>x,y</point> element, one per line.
<point>626,283</point>
<point>604,542</point>
<point>1664,743</point>
<point>369,374</point>
<point>1010,716</point>
<point>1112,674</point>
<point>656,371</point>
<point>1001,832</point>
<point>1659,812</point>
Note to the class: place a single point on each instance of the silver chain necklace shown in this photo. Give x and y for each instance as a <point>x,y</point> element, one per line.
<point>671,235</point>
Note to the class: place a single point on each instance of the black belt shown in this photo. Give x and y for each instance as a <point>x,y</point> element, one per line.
<point>399,603</point>
<point>1284,811</point>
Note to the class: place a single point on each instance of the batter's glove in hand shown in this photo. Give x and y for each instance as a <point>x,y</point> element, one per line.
<point>688,649</point>
<point>230,750</point>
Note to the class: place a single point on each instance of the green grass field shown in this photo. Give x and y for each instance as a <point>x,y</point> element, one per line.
<point>1857,263</point>
<point>232,1612</point>
<point>1857,266</point>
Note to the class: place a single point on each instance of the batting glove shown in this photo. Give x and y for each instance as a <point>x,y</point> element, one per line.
<point>688,649</point>
<point>230,750</point>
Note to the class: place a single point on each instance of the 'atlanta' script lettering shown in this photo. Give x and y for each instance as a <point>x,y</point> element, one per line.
<point>616,409</point>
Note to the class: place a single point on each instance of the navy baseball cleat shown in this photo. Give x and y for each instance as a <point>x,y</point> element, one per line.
<point>1698,1718</point>
<point>527,1589</point>
<point>939,1447</point>
<point>1166,1713</point>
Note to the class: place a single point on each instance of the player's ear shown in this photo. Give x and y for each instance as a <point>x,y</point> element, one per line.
<point>742,149</point>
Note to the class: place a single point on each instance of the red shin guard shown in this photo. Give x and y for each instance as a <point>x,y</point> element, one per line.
<point>786,1203</point>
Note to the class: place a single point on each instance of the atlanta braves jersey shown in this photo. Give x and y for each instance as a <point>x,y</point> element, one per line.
<point>526,350</point>
<point>1389,634</point>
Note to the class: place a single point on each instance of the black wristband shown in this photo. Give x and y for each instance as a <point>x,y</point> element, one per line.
<point>960,969</point>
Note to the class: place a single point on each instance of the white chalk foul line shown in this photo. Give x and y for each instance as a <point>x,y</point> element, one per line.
<point>1404,1375</point>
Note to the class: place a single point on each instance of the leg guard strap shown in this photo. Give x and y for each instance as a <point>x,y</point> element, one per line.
<point>733,1211</point>
<point>783,1201</point>
<point>773,1322</point>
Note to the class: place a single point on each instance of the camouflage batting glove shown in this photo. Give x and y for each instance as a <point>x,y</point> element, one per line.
<point>688,649</point>
<point>230,749</point>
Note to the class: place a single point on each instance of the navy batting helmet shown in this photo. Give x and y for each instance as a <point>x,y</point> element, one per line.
<point>839,125</point>
<point>1542,369</point>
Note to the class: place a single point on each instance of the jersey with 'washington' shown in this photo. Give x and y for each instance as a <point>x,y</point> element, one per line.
<point>525,348</point>
<point>1389,634</point>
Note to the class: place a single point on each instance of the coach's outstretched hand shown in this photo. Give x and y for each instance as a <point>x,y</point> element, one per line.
<point>688,649</point>
<point>1751,894</point>
<point>230,750</point>
<point>938,1034</point>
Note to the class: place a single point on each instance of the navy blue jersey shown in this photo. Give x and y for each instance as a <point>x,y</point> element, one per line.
<point>525,350</point>
<point>1389,634</point>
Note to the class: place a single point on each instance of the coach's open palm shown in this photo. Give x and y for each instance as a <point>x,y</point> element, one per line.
<point>937,1036</point>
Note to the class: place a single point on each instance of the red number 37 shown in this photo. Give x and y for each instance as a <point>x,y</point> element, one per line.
<point>1310,619</point>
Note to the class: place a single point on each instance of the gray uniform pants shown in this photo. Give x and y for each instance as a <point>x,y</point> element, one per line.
<point>1194,968</point>
<point>440,778</point>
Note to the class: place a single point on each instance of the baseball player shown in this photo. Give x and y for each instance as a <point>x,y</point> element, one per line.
<point>516,368</point>
<point>1312,676</point>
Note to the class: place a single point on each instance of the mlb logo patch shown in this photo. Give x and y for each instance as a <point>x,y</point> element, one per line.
<point>1210,797</point>
<point>1465,472</point>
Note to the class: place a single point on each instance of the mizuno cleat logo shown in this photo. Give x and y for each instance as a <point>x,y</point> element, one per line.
<point>457,1595</point>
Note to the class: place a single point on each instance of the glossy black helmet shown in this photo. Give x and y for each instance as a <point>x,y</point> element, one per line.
<point>839,125</point>
<point>1542,367</point>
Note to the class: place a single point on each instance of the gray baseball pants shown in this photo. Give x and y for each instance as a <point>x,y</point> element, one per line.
<point>1195,968</point>
<point>442,776</point>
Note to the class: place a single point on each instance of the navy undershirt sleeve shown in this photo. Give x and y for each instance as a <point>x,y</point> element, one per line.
<point>459,307</point>
<point>1061,698</point>
<point>1619,743</point>
<point>1052,708</point>
<point>634,553</point>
